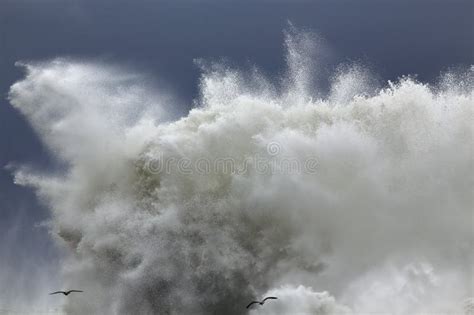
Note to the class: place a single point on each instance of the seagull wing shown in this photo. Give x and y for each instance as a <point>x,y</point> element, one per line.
<point>57,292</point>
<point>253,302</point>
<point>270,298</point>
<point>74,291</point>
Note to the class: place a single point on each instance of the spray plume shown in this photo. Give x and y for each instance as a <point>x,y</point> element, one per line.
<point>374,213</point>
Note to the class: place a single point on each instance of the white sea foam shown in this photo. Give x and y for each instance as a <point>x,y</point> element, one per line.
<point>384,223</point>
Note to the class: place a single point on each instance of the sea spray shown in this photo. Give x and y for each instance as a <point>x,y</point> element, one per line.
<point>361,200</point>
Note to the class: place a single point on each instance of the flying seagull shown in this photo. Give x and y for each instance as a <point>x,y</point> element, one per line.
<point>263,301</point>
<point>65,292</point>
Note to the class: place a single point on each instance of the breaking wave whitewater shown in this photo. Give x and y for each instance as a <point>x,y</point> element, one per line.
<point>383,225</point>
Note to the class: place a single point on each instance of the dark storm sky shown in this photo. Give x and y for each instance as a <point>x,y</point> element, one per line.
<point>162,38</point>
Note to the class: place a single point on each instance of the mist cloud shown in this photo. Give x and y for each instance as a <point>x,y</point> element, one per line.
<point>384,225</point>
